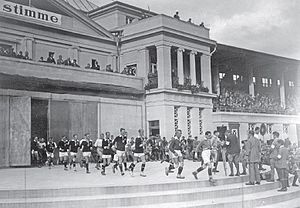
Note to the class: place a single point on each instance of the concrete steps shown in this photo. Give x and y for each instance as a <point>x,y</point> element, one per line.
<point>230,192</point>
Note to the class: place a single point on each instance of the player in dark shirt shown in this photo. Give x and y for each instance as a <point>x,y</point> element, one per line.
<point>106,156</point>
<point>119,144</point>
<point>138,152</point>
<point>35,151</point>
<point>86,148</point>
<point>73,149</point>
<point>50,147</point>
<point>176,153</point>
<point>63,145</point>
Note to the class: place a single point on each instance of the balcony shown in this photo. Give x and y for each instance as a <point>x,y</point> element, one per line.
<point>39,76</point>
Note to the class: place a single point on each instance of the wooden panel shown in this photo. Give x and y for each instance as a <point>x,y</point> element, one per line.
<point>76,119</point>
<point>20,131</point>
<point>4,131</point>
<point>90,118</point>
<point>59,119</point>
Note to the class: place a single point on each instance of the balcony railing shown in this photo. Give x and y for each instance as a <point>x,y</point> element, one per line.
<point>73,75</point>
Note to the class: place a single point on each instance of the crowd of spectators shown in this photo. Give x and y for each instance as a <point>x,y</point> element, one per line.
<point>238,101</point>
<point>9,52</point>
<point>59,61</point>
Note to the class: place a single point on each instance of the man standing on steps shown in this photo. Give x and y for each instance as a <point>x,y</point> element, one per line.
<point>273,155</point>
<point>233,150</point>
<point>215,143</point>
<point>281,165</point>
<point>253,152</point>
<point>206,146</point>
<point>176,151</point>
<point>138,150</point>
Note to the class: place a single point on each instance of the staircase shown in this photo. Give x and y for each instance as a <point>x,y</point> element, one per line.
<point>229,192</point>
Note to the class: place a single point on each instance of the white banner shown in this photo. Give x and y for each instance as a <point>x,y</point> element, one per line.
<point>29,12</point>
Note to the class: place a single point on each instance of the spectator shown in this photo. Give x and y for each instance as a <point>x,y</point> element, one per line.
<point>68,62</point>
<point>41,59</point>
<point>20,55</point>
<point>88,66</point>
<point>176,15</point>
<point>26,56</point>
<point>60,60</point>
<point>50,58</point>
<point>74,63</point>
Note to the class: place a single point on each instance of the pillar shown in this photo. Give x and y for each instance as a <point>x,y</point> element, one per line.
<point>250,81</point>
<point>193,67</point>
<point>114,62</point>
<point>182,120</point>
<point>180,65</point>
<point>298,93</point>
<point>282,90</point>
<point>206,71</point>
<point>195,121</point>
<point>207,124</point>
<point>216,79</point>
<point>164,66</point>
<point>143,63</point>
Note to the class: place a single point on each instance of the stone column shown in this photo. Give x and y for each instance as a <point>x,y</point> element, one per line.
<point>182,120</point>
<point>114,62</point>
<point>143,63</point>
<point>282,90</point>
<point>250,81</point>
<point>195,122</point>
<point>216,79</point>
<point>180,65</point>
<point>298,92</point>
<point>164,66</point>
<point>206,71</point>
<point>207,120</point>
<point>193,67</point>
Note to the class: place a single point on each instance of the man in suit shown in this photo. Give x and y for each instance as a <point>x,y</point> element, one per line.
<point>233,150</point>
<point>253,152</point>
<point>281,165</point>
<point>273,154</point>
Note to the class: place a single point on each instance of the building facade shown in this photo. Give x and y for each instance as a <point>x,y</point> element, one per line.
<point>109,67</point>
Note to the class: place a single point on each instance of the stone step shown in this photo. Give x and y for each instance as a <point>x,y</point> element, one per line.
<point>190,196</point>
<point>88,191</point>
<point>294,203</point>
<point>266,199</point>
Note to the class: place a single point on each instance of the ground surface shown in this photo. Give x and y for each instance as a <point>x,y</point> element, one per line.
<point>43,178</point>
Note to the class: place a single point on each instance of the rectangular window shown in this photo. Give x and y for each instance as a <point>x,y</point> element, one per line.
<point>154,128</point>
<point>270,82</point>
<point>278,82</point>
<point>254,80</point>
<point>291,84</point>
<point>265,82</point>
<point>221,75</point>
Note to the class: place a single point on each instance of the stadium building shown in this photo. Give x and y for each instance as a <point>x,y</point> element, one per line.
<point>73,67</point>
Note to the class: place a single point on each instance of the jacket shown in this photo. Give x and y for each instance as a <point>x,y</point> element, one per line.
<point>253,150</point>
<point>282,158</point>
<point>234,144</point>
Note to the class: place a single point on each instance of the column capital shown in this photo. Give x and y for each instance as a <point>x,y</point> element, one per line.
<point>193,52</point>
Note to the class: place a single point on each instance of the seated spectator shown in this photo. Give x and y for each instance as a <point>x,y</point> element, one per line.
<point>108,68</point>
<point>190,20</point>
<point>26,56</point>
<point>20,55</point>
<point>201,24</point>
<point>67,62</point>
<point>60,60</point>
<point>11,52</point>
<point>74,63</point>
<point>50,58</point>
<point>176,15</point>
<point>95,65</point>
<point>88,66</point>
<point>41,59</point>
<point>125,71</point>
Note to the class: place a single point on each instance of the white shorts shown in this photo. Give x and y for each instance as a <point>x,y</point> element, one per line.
<point>106,156</point>
<point>138,154</point>
<point>63,154</point>
<point>73,154</point>
<point>179,154</point>
<point>206,156</point>
<point>86,154</point>
<point>50,154</point>
<point>116,158</point>
<point>120,153</point>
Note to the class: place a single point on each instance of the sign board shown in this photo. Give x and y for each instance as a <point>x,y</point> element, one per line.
<point>29,12</point>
